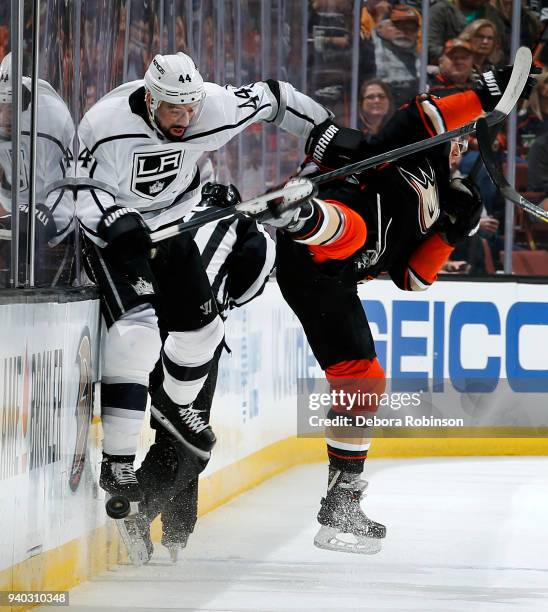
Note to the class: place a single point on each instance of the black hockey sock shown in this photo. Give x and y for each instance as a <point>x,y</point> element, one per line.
<point>346,460</point>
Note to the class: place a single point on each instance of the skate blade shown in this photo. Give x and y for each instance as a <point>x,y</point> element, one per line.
<point>131,536</point>
<point>330,538</point>
<point>205,455</point>
<point>173,553</point>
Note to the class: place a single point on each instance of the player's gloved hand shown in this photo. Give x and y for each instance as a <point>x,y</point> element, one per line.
<point>462,207</point>
<point>333,146</point>
<point>491,85</point>
<point>215,194</point>
<point>125,232</point>
<point>293,210</point>
<point>45,223</point>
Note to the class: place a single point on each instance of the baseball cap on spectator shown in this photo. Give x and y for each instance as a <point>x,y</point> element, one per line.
<point>456,43</point>
<point>401,12</point>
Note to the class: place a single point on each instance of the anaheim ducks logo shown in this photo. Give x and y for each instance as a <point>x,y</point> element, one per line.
<point>84,408</point>
<point>153,172</point>
<point>424,184</point>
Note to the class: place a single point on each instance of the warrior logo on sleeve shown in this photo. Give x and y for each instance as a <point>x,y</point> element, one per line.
<point>424,184</point>
<point>153,172</point>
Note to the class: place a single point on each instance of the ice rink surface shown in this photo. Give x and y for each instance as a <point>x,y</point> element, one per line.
<point>463,534</point>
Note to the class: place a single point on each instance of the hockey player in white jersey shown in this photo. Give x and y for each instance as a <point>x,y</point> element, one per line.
<point>137,171</point>
<point>54,211</point>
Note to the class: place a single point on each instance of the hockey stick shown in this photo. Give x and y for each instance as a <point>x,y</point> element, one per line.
<point>291,195</point>
<point>499,180</point>
<point>518,79</point>
<point>255,206</point>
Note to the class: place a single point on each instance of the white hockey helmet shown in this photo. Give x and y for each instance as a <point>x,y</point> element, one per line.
<point>5,80</point>
<point>174,79</point>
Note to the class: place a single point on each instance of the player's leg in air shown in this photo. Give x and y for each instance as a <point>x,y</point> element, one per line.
<point>169,472</point>
<point>335,324</point>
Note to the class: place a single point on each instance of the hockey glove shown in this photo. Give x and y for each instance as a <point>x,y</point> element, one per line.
<point>463,208</point>
<point>334,146</point>
<point>125,232</point>
<point>290,214</point>
<point>45,224</point>
<point>215,194</point>
<point>491,85</point>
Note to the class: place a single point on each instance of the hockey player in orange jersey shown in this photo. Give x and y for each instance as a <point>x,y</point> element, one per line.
<point>401,219</point>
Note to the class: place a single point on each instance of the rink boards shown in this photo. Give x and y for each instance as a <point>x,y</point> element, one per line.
<point>51,509</point>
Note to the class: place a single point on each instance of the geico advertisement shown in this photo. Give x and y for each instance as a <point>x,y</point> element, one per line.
<point>448,335</point>
<point>456,332</point>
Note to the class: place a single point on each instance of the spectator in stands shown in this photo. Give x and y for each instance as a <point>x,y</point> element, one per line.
<point>534,120</point>
<point>373,12</point>
<point>482,36</point>
<point>530,27</point>
<point>376,106</point>
<point>538,165</point>
<point>456,69</point>
<point>329,52</point>
<point>448,20</point>
<point>396,58</point>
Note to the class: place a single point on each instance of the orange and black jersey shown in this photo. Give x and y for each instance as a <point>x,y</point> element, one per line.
<point>390,215</point>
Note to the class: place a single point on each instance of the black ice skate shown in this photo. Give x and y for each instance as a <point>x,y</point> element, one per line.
<point>123,499</point>
<point>118,477</point>
<point>344,526</point>
<point>184,423</point>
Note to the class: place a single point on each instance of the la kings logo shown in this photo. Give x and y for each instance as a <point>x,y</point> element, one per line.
<point>154,172</point>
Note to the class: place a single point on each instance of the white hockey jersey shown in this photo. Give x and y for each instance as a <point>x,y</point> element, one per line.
<point>123,161</point>
<point>55,133</point>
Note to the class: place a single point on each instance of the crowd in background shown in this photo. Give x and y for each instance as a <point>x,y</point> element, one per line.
<point>362,71</point>
<point>465,38</point>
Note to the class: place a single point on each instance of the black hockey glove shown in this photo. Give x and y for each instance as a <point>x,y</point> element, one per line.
<point>462,207</point>
<point>45,223</point>
<point>215,194</point>
<point>491,85</point>
<point>125,232</point>
<point>334,146</point>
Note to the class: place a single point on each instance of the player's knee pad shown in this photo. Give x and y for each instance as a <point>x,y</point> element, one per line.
<point>358,385</point>
<point>195,347</point>
<point>132,347</point>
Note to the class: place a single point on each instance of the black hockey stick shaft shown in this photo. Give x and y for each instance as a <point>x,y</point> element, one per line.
<point>497,176</point>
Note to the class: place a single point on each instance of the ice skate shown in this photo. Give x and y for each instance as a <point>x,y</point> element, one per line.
<point>122,504</point>
<point>184,423</point>
<point>134,530</point>
<point>175,544</point>
<point>344,526</point>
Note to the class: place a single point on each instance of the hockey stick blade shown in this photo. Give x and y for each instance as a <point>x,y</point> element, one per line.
<point>499,180</point>
<point>518,79</point>
<point>292,195</point>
